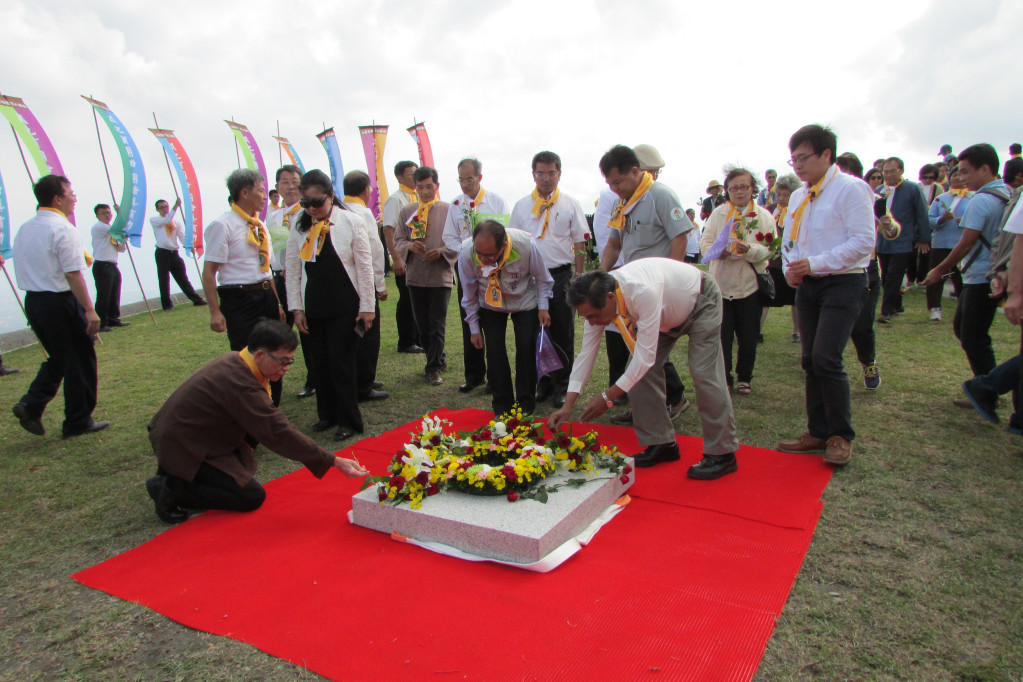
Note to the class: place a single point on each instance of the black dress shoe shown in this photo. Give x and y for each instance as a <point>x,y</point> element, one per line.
<point>306,392</point>
<point>343,434</point>
<point>119,323</point>
<point>323,425</point>
<point>655,454</point>
<point>93,427</point>
<point>377,385</point>
<point>374,395</point>
<point>469,386</point>
<point>412,349</point>
<point>543,392</point>
<point>199,303</point>
<point>713,466</point>
<point>559,400</point>
<point>166,506</point>
<point>5,371</point>
<point>105,329</point>
<point>30,422</point>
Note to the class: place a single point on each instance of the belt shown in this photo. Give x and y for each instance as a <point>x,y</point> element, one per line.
<point>234,288</point>
<point>560,268</point>
<point>851,271</point>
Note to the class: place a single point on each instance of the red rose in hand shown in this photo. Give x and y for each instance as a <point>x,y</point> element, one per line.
<point>512,496</point>
<point>456,202</point>
<point>751,214</point>
<point>397,482</point>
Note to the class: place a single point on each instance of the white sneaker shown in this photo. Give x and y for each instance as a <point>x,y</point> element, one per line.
<point>935,314</point>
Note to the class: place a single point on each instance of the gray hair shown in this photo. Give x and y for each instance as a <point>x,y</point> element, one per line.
<point>789,182</point>
<point>243,178</point>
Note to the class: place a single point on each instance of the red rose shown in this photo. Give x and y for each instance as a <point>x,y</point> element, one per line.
<point>625,479</point>
<point>595,446</point>
<point>512,496</point>
<point>435,440</point>
<point>586,236</point>
<point>382,495</point>
<point>512,423</point>
<point>432,489</point>
<point>469,450</point>
<point>486,435</point>
<point>472,205</point>
<point>540,440</point>
<point>397,482</point>
<point>509,473</point>
<point>751,214</point>
<point>423,477</point>
<point>564,442</point>
<point>456,202</point>
<point>628,469</point>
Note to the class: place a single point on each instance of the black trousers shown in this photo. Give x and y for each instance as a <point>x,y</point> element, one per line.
<point>334,346</point>
<point>893,270</point>
<point>562,329</point>
<point>475,359</point>
<point>430,307</point>
<point>108,291</point>
<point>975,311</point>
<point>169,263</point>
<point>494,326</point>
<point>862,335</point>
<point>408,332</point>
<point>618,360</point>
<point>740,320</point>
<point>242,310</point>
<point>282,293</point>
<point>213,489</point>
<point>369,356</point>
<point>58,320</point>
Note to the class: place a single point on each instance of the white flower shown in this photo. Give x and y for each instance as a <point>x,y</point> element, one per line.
<point>466,443</point>
<point>417,458</point>
<point>500,429</point>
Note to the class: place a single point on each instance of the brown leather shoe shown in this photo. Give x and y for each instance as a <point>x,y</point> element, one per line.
<point>839,451</point>
<point>805,444</point>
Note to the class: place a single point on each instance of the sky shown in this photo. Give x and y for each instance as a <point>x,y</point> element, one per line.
<point>709,85</point>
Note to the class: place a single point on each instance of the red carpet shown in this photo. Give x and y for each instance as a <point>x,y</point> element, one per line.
<point>685,583</point>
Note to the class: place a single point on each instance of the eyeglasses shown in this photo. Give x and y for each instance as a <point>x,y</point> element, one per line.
<point>462,180</point>
<point>928,177</point>
<point>313,203</point>
<point>795,162</point>
<point>739,188</point>
<point>286,362</point>
<point>540,175</point>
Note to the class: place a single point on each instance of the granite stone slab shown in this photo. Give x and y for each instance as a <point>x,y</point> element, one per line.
<point>521,532</point>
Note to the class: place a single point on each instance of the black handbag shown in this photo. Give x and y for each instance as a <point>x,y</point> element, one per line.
<point>765,286</point>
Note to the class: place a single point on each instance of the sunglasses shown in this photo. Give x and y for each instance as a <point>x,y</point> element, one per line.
<point>313,203</point>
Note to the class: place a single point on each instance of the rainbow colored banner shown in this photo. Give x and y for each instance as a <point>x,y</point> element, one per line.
<point>418,133</point>
<point>5,223</point>
<point>132,213</point>
<point>250,150</point>
<point>337,171</point>
<point>374,138</point>
<point>32,135</point>
<point>289,149</point>
<point>191,201</point>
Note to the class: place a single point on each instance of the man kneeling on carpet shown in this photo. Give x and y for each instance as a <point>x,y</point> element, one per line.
<point>205,434</point>
<point>654,301</point>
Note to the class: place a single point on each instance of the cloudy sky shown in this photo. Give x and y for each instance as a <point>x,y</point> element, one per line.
<point>709,85</point>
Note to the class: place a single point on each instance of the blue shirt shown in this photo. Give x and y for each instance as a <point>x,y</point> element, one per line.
<point>984,214</point>
<point>947,234</point>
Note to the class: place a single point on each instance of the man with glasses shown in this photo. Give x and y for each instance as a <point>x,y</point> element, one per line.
<point>504,276</point>
<point>170,235</point>
<point>901,232</point>
<point>205,435</point>
<point>465,212</point>
<point>559,229</point>
<point>408,332</point>
<point>48,263</point>
<point>830,238</point>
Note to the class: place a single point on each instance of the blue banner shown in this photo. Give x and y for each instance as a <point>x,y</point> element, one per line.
<point>132,212</point>
<point>337,171</point>
<point>5,223</point>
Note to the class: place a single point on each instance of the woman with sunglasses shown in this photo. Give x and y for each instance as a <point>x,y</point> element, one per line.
<point>736,255</point>
<point>330,293</point>
<point>875,179</point>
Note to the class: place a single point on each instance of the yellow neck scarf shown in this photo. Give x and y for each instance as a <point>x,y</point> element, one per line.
<point>169,227</point>
<point>286,220</point>
<point>493,294</point>
<point>353,200</point>
<point>478,200</point>
<point>780,219</point>
<point>626,325</point>
<point>618,214</point>
<point>250,362</point>
<point>541,205</point>
<point>420,220</point>
<point>410,192</point>
<point>314,239</point>
<point>811,195</point>
<point>961,192</point>
<point>258,236</point>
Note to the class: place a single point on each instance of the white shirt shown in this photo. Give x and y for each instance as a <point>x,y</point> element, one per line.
<point>1014,223</point>
<point>606,203</point>
<point>567,226</point>
<point>837,229</point>
<point>375,246</point>
<point>46,247</point>
<point>456,227</point>
<point>227,243</point>
<point>660,294</point>
<point>279,219</point>
<point>102,249</point>
<point>393,206</point>
<point>163,241</point>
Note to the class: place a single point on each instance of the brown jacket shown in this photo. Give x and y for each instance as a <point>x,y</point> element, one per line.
<point>420,272</point>
<point>214,416</point>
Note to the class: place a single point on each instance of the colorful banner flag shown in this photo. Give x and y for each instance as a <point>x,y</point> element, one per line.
<point>374,138</point>
<point>418,133</point>
<point>250,150</point>
<point>132,213</point>
<point>337,171</point>
<point>5,223</point>
<point>289,149</point>
<point>32,135</point>
<point>191,201</point>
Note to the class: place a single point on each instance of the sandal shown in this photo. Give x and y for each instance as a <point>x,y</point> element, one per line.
<point>745,388</point>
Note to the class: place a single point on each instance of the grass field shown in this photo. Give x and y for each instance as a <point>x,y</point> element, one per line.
<point>914,572</point>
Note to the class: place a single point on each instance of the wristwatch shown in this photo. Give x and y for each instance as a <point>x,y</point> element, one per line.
<point>607,401</point>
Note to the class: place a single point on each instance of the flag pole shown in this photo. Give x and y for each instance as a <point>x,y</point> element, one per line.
<point>174,184</point>
<point>280,147</point>
<point>14,290</point>
<point>127,245</point>
<point>237,152</point>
